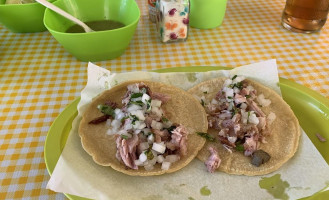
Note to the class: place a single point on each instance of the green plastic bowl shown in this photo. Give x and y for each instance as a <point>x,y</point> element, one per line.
<point>22,18</point>
<point>98,45</point>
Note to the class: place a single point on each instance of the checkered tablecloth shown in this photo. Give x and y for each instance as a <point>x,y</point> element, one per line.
<point>38,78</point>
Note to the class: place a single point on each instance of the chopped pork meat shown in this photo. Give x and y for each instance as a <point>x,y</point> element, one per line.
<point>179,139</point>
<point>254,107</point>
<point>162,97</point>
<point>126,156</point>
<point>213,161</point>
<point>237,117</point>
<point>250,146</point>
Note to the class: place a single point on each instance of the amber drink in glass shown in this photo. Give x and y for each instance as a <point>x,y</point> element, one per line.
<point>305,16</point>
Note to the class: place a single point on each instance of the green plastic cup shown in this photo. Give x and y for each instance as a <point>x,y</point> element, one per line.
<point>22,18</point>
<point>98,45</point>
<point>207,14</point>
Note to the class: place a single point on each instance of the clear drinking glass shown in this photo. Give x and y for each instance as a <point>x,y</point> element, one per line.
<point>305,16</point>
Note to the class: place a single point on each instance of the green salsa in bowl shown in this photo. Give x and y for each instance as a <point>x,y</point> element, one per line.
<point>24,17</point>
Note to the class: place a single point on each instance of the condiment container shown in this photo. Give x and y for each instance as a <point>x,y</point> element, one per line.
<point>152,10</point>
<point>172,20</point>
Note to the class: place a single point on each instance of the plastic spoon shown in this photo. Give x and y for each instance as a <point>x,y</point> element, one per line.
<point>65,14</point>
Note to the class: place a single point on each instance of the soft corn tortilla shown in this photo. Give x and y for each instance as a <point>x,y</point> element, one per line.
<point>282,143</point>
<point>182,108</point>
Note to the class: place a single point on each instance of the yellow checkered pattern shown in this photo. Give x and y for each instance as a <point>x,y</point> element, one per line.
<point>38,78</point>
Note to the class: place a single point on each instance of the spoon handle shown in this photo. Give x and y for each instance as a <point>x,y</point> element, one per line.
<point>65,14</point>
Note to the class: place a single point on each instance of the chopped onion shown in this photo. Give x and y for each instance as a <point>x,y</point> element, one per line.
<point>146,130</point>
<point>155,103</point>
<point>165,165</point>
<point>159,147</point>
<point>244,116</point>
<point>116,124</point>
<point>145,98</point>
<point>133,107</point>
<point>157,111</point>
<point>111,131</point>
<point>243,106</point>
<point>232,139</point>
<point>122,132</point>
<point>133,88</point>
<point>148,167</point>
<point>253,119</point>
<point>137,131</point>
<point>167,124</point>
<point>171,158</point>
<point>138,162</point>
<point>108,122</point>
<point>238,79</point>
<point>139,114</point>
<point>236,90</point>
<point>143,146</point>
<point>142,157</point>
<point>160,158</point>
<point>156,125</point>
<point>139,125</point>
<point>271,117</point>
<point>227,83</point>
<point>214,101</point>
<point>136,99</point>
<point>225,115</point>
<point>150,139</point>
<point>250,88</point>
<point>262,101</point>
<point>128,125</point>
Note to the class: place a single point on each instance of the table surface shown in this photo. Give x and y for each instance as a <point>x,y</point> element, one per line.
<point>38,78</point>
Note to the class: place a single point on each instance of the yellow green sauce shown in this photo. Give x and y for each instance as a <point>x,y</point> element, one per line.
<point>204,191</point>
<point>275,186</point>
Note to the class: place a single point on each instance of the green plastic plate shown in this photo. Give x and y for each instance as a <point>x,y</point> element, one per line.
<point>311,109</point>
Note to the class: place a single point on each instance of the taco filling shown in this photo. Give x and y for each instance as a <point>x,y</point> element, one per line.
<point>145,136</point>
<point>236,114</point>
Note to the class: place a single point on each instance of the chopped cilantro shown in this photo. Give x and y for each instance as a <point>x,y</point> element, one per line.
<point>206,136</point>
<point>124,118</point>
<point>124,137</point>
<point>205,92</point>
<point>164,119</point>
<point>247,96</point>
<point>237,85</point>
<point>136,95</point>
<point>149,154</point>
<point>134,119</point>
<point>248,117</point>
<point>148,105</point>
<point>170,129</point>
<point>229,97</point>
<point>139,103</point>
<point>239,147</point>
<point>143,90</point>
<point>235,111</point>
<point>234,77</point>
<point>202,102</point>
<point>106,109</point>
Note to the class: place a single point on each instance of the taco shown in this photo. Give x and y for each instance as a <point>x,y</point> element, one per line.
<point>252,131</point>
<point>143,128</point>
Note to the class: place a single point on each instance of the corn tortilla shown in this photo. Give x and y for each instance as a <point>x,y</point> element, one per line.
<point>282,142</point>
<point>182,108</point>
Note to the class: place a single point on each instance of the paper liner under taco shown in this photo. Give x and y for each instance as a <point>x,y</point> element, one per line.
<point>281,144</point>
<point>182,108</point>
